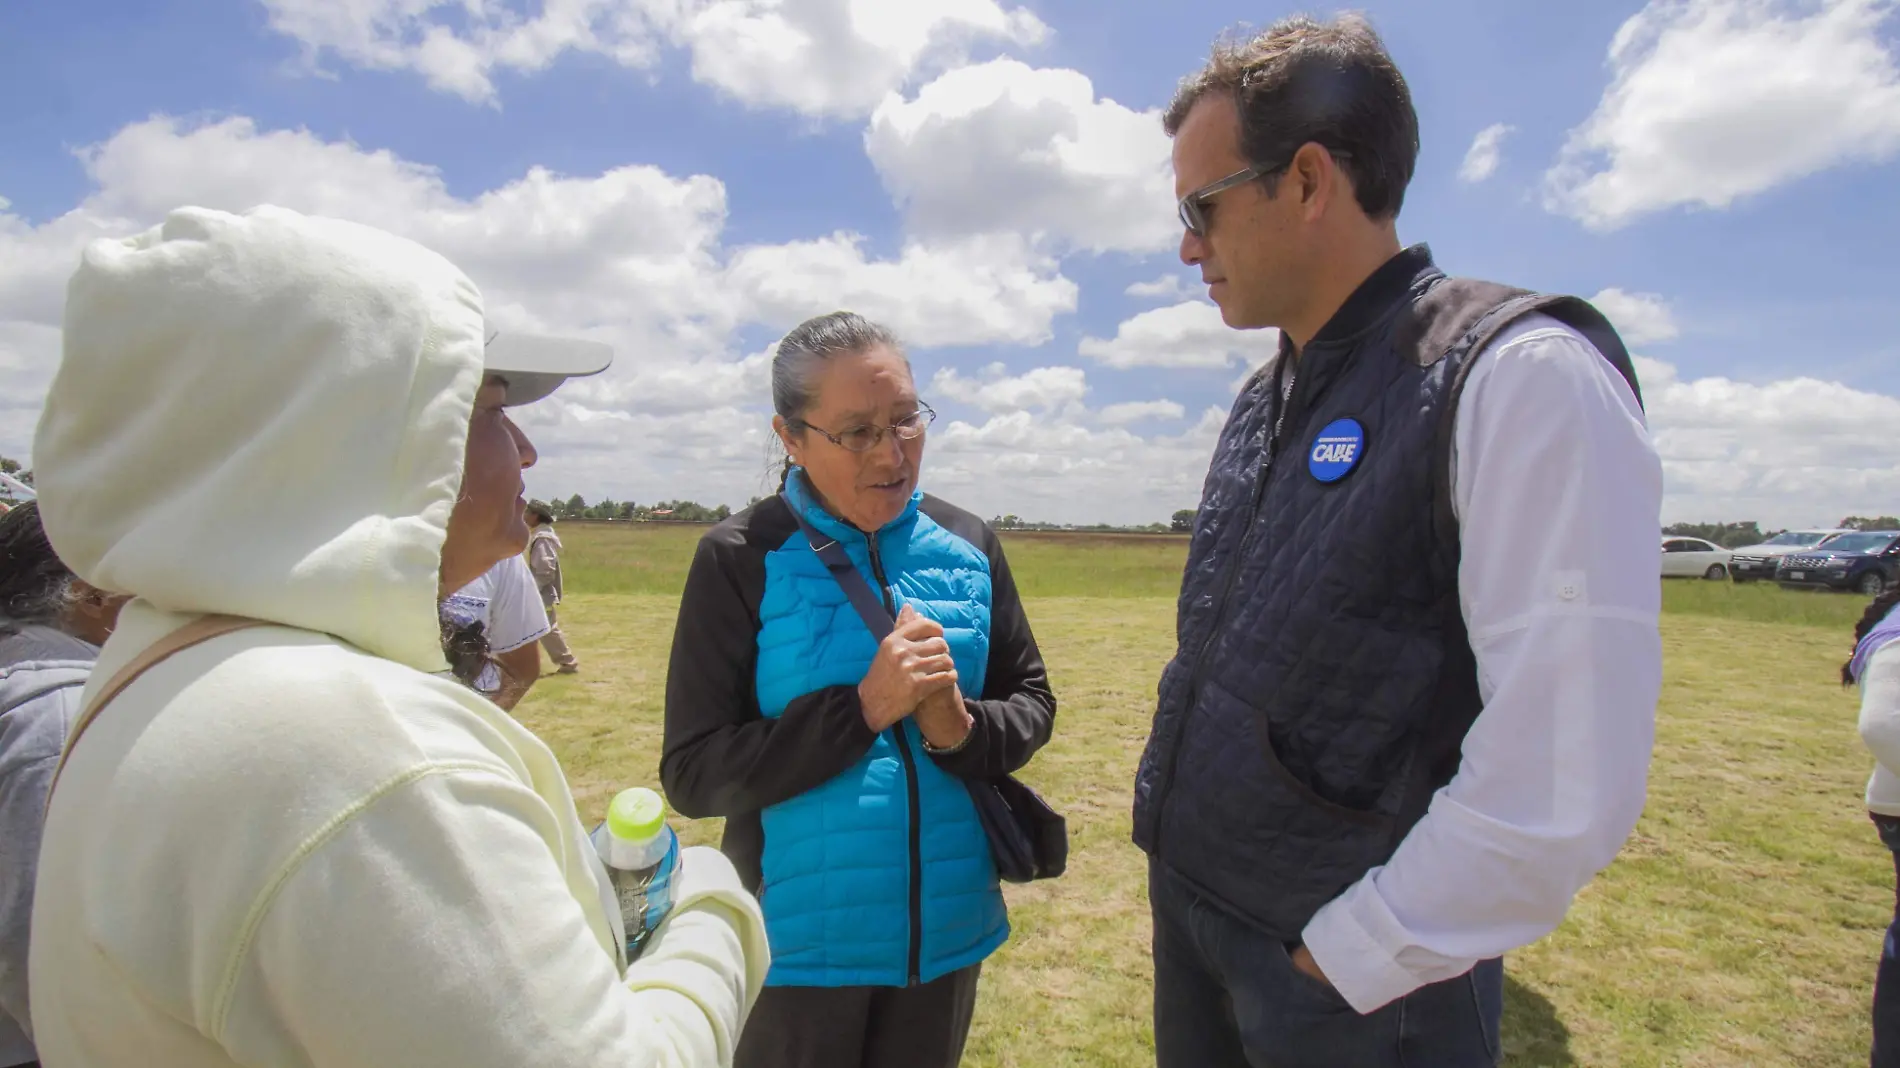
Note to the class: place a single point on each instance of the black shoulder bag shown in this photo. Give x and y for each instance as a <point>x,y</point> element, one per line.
<point>1028,839</point>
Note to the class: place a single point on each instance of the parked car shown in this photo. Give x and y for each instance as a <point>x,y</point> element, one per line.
<point>1753,562</point>
<point>1867,562</point>
<point>1693,558</point>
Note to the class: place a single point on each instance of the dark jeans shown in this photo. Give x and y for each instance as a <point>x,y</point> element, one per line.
<point>861,1026</point>
<point>1228,996</point>
<point>1886,1053</point>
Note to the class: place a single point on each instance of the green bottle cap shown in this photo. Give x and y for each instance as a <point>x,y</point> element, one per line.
<point>636,814</point>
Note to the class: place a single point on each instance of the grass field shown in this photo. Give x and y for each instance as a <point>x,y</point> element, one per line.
<point>1739,928</point>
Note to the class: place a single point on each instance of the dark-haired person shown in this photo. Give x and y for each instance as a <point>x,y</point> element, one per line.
<point>544,560</point>
<point>1875,668</point>
<point>51,627</point>
<point>506,604</point>
<point>1412,704</point>
<point>835,759</point>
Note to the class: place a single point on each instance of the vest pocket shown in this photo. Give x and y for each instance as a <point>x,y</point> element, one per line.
<point>1245,830</point>
<point>1263,738</point>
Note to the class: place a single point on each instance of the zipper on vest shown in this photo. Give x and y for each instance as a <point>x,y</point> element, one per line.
<point>1226,587</point>
<point>915,962</point>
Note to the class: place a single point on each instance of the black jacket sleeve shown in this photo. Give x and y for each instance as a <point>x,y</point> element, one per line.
<point>721,757</point>
<point>1016,712</point>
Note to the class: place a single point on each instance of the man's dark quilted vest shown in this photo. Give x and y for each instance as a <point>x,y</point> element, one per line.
<point>1323,682</point>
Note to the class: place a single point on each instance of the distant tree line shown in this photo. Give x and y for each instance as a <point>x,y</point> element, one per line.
<point>1013,522</point>
<point>576,507</point>
<point>1727,535</point>
<point>1736,535</point>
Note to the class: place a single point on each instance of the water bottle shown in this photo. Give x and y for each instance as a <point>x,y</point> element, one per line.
<point>641,853</point>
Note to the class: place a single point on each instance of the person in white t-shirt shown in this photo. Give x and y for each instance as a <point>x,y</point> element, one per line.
<point>508,605</point>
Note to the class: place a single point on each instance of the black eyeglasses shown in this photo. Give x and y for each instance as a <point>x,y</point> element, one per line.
<point>866,438</point>
<point>1193,207</point>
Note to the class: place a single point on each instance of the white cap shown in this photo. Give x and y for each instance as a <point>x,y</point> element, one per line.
<point>535,365</point>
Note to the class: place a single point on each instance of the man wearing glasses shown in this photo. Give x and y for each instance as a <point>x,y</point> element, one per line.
<point>1411,710</point>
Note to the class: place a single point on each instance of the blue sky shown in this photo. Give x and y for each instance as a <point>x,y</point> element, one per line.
<point>1725,173</point>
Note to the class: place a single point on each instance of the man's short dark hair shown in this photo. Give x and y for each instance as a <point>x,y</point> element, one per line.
<point>1329,82</point>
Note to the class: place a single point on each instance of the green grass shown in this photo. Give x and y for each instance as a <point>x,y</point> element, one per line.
<point>1763,602</point>
<point>1740,927</point>
<point>627,557</point>
<point>653,558</point>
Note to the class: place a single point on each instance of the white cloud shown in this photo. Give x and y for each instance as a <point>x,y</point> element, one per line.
<point>1168,287</point>
<point>1712,101</point>
<point>458,46</point>
<point>1003,147</point>
<point>679,387</point>
<point>1481,161</point>
<point>635,256</point>
<point>1042,388</point>
<point>1181,335</point>
<point>717,454</point>
<point>839,57</point>
<point>1063,470</point>
<point>818,57</point>
<point>1785,453</point>
<point>973,291</point>
<point>1140,411</point>
<point>629,249</point>
<point>631,256</point>
<point>28,354</point>
<point>1640,318</point>
<point>1797,451</point>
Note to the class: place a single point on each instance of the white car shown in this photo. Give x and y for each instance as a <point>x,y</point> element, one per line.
<point>1693,558</point>
<point>1752,562</point>
<point>14,491</point>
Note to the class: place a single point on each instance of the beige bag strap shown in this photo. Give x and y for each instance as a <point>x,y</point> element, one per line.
<point>197,632</point>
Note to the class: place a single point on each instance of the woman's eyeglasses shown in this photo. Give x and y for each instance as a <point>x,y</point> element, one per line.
<point>866,438</point>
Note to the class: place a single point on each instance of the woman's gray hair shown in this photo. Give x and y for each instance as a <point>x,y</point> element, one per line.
<point>801,357</point>
<point>803,352</point>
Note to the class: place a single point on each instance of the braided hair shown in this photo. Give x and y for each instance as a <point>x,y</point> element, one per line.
<point>466,648</point>
<point>1876,611</point>
<point>35,586</point>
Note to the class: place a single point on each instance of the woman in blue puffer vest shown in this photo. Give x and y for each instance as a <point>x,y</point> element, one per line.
<point>838,761</point>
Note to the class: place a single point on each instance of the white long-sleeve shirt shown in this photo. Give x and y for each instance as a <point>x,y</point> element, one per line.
<point>1558,492</point>
<point>1880,727</point>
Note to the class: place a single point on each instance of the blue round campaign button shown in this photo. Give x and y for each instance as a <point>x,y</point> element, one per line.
<point>1337,450</point>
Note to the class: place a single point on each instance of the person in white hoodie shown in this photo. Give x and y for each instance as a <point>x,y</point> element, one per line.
<point>304,843</point>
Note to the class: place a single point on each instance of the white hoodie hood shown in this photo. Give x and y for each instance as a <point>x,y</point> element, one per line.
<point>334,368</point>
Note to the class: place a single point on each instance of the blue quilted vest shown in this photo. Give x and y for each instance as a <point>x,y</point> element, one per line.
<point>1323,681</point>
<point>882,876</point>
